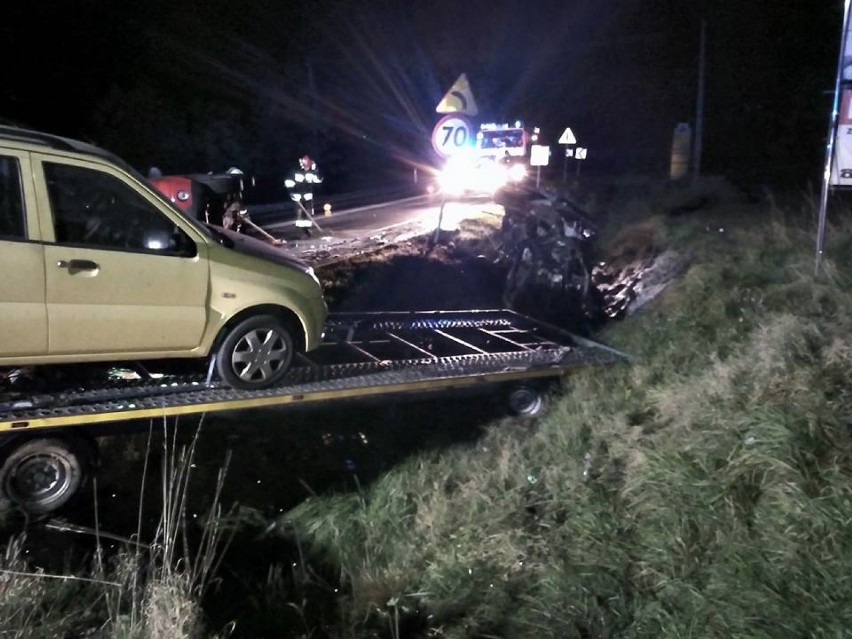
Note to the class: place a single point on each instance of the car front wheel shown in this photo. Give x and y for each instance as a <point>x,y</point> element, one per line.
<point>256,353</point>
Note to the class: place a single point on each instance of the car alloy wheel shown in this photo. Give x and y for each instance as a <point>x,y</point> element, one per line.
<point>256,353</point>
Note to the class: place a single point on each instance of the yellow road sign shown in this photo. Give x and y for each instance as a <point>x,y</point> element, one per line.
<point>459,99</point>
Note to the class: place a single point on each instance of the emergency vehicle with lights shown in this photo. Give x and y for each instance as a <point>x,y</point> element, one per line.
<point>499,156</point>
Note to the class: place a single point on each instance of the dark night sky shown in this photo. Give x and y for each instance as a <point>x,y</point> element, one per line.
<point>152,81</point>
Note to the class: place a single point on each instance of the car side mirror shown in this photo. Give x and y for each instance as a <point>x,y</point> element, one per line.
<point>157,240</point>
<point>174,242</point>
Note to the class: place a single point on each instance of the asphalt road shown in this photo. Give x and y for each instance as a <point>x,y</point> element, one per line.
<point>361,227</point>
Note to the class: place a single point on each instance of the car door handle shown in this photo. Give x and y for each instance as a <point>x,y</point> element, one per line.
<point>75,266</point>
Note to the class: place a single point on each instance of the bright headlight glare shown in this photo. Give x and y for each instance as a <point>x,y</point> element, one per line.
<point>465,174</point>
<point>517,172</point>
<point>454,176</point>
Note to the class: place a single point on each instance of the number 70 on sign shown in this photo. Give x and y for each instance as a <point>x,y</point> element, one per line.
<point>451,134</point>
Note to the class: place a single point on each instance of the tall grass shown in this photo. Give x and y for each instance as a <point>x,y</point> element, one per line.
<point>145,590</point>
<point>705,490</point>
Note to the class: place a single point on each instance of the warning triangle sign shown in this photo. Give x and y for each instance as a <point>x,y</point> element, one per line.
<point>459,99</point>
<point>567,137</point>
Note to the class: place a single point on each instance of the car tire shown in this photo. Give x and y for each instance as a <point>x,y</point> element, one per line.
<point>41,475</point>
<point>526,400</point>
<point>256,353</point>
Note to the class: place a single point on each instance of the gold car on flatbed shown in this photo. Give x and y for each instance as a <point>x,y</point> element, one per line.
<point>99,267</point>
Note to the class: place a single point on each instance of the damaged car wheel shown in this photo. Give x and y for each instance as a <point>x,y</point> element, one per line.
<point>41,475</point>
<point>525,400</point>
<point>256,353</point>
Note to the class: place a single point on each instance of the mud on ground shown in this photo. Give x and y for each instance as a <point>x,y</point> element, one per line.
<point>458,271</point>
<point>464,269</point>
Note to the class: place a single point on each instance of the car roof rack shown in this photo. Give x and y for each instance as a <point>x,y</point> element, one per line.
<point>37,137</point>
<point>60,143</point>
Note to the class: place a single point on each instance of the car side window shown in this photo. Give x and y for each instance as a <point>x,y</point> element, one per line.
<point>95,209</point>
<point>12,220</point>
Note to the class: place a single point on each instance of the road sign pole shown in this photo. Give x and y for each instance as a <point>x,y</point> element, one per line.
<point>829,147</point>
<point>440,221</point>
<point>567,138</point>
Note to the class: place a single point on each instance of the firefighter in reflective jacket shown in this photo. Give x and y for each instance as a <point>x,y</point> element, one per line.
<point>301,188</point>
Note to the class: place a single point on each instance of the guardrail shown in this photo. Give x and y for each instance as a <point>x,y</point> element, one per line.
<point>284,210</point>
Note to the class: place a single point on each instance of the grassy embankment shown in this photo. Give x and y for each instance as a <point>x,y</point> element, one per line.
<point>143,590</point>
<point>701,491</point>
<point>705,490</point>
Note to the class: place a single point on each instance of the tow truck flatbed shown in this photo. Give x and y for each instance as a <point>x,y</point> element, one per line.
<point>363,355</point>
<point>48,441</point>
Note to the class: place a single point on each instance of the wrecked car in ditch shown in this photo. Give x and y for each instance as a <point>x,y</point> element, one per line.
<point>548,247</point>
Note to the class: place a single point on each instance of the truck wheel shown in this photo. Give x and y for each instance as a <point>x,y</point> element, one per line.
<point>42,474</point>
<point>525,400</point>
<point>255,353</point>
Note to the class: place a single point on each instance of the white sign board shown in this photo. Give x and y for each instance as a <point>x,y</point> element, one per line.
<point>841,166</point>
<point>539,155</point>
<point>581,153</point>
<point>452,134</point>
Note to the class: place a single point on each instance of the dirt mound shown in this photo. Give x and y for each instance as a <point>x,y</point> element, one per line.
<point>459,271</point>
<point>475,267</point>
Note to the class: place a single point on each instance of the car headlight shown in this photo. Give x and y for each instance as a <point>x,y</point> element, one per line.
<point>517,172</point>
<point>452,179</point>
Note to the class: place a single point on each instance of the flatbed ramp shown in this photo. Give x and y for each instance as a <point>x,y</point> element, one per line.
<point>363,355</point>
<point>48,447</point>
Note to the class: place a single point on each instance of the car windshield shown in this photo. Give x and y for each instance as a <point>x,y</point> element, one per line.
<point>502,138</point>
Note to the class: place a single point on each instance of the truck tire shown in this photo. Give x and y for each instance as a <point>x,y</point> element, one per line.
<point>526,400</point>
<point>256,353</point>
<point>41,475</point>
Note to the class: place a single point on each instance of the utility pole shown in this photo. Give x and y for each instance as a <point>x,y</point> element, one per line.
<point>312,89</point>
<point>699,104</point>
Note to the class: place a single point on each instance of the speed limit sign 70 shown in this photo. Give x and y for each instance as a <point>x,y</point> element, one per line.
<point>452,134</point>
